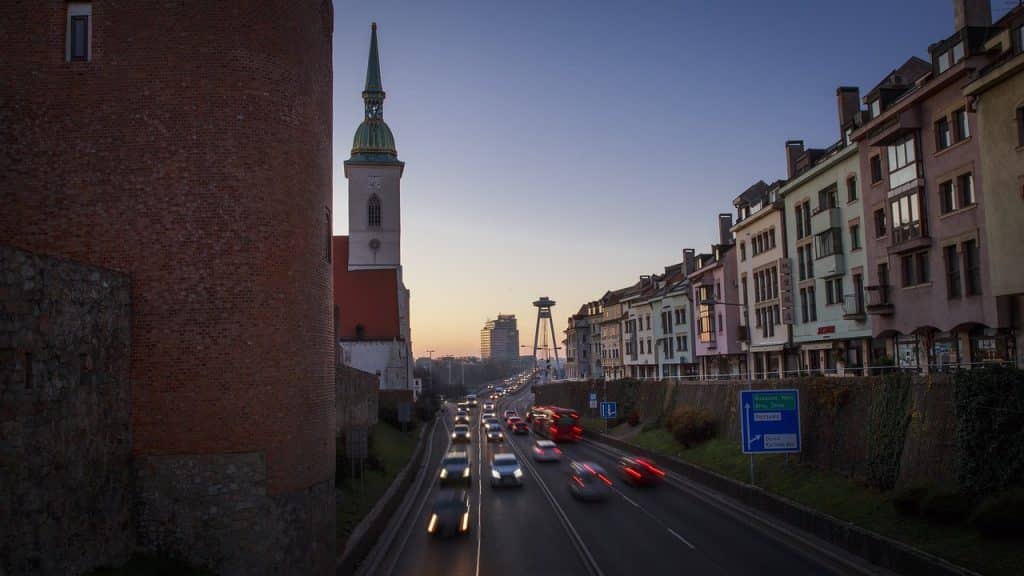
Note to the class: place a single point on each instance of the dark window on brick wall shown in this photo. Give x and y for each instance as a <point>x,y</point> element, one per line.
<point>329,233</point>
<point>79,42</point>
<point>876,169</point>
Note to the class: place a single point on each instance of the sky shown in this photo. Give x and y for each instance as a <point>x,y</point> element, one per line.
<point>563,148</point>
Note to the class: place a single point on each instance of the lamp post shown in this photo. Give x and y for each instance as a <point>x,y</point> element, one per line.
<point>750,353</point>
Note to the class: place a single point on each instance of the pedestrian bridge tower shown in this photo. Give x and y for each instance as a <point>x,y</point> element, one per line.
<point>544,305</point>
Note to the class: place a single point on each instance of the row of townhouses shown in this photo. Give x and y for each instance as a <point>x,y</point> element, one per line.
<point>896,246</point>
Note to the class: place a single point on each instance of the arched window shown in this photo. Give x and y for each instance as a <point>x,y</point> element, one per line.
<point>373,211</point>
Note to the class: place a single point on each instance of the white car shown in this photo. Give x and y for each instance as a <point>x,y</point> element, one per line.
<point>546,451</point>
<point>505,470</point>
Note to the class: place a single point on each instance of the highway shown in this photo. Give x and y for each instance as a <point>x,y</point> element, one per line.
<point>674,528</point>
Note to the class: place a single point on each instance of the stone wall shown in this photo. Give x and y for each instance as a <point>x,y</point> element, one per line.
<point>215,510</point>
<point>357,397</point>
<point>65,442</point>
<point>839,417</point>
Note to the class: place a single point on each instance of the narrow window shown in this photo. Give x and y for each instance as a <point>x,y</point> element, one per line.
<point>79,44</point>
<point>880,230</point>
<point>965,189</point>
<point>812,305</point>
<point>963,129</point>
<point>851,189</point>
<point>854,236</point>
<point>1020,123</point>
<point>972,263</point>
<point>373,216</point>
<point>876,169</point>
<point>328,233</point>
<point>942,137</point>
<point>952,272</point>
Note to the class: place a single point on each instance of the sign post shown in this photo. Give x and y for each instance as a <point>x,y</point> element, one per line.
<point>593,399</point>
<point>769,422</point>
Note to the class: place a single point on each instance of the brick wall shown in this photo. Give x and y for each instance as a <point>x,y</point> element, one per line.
<point>65,442</point>
<point>357,395</point>
<point>193,153</point>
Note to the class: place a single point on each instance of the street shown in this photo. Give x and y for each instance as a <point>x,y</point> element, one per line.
<point>541,529</point>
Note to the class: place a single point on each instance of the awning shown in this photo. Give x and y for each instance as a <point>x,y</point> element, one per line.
<point>818,346</point>
<point>768,348</point>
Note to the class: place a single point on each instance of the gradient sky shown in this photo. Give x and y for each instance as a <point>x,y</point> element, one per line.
<point>565,147</point>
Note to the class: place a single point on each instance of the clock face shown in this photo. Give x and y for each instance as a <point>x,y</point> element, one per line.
<point>374,244</point>
<point>373,182</point>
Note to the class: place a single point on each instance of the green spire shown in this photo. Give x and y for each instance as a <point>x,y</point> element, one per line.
<point>373,141</point>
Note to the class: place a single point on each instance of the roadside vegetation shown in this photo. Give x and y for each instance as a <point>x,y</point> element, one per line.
<point>975,524</point>
<point>389,450</point>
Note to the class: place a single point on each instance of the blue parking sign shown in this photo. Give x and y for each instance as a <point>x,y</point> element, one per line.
<point>770,421</point>
<point>608,410</point>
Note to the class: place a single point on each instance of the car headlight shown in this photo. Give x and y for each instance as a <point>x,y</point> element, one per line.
<point>465,522</point>
<point>433,524</point>
<point>495,474</point>
<point>453,436</point>
<point>518,473</point>
<point>444,473</point>
<point>465,473</point>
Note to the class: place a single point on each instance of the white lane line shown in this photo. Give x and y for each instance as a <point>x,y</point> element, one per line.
<point>681,539</point>
<point>588,559</point>
<point>628,499</point>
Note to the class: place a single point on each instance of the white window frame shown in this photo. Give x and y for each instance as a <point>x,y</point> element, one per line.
<point>78,9</point>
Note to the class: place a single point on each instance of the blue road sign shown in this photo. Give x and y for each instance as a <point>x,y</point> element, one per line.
<point>770,421</point>
<point>608,410</point>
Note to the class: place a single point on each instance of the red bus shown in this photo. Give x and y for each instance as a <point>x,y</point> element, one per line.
<point>557,424</point>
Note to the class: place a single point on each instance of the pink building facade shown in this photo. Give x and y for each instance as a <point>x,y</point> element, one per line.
<point>717,309</point>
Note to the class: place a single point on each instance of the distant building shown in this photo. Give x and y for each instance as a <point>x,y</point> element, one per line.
<point>717,305</point>
<point>371,302</point>
<point>583,343</point>
<point>499,339</point>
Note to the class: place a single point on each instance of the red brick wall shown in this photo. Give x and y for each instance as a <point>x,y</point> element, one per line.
<point>194,153</point>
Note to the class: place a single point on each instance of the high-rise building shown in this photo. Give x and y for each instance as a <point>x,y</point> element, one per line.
<point>499,339</point>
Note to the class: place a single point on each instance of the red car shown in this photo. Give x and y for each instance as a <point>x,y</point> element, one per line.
<point>512,420</point>
<point>519,427</point>
<point>640,471</point>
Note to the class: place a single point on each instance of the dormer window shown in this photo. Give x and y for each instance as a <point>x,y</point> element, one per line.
<point>876,108</point>
<point>951,57</point>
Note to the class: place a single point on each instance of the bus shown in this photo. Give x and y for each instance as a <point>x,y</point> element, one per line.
<point>557,424</point>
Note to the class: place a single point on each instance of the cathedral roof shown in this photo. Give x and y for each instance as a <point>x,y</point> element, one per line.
<point>373,141</point>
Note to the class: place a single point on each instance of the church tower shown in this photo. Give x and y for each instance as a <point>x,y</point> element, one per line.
<point>374,177</point>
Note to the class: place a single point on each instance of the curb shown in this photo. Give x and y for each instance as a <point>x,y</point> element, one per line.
<point>369,529</point>
<point>875,548</point>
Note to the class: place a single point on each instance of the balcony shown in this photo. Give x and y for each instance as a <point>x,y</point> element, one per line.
<point>823,219</point>
<point>853,307</point>
<point>878,300</point>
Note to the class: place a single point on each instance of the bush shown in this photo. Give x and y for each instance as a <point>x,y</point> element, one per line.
<point>908,500</point>
<point>690,425</point>
<point>634,418</point>
<point>946,506</point>
<point>999,516</point>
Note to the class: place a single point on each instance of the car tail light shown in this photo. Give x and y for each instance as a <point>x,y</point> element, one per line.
<point>577,480</point>
<point>652,468</point>
<point>589,469</point>
<point>538,450</point>
<point>577,429</point>
<point>553,430</point>
<point>633,473</point>
<point>558,451</point>
<point>604,479</point>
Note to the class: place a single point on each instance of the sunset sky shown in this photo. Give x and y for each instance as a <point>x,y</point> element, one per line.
<point>563,148</point>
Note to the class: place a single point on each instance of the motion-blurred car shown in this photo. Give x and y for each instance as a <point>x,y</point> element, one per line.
<point>505,470</point>
<point>519,427</point>
<point>640,471</point>
<point>546,451</point>
<point>494,433</point>
<point>471,400</point>
<point>450,514</point>
<point>462,417</point>
<point>455,469</point>
<point>588,481</point>
<point>488,406</point>
<point>508,414</point>
<point>460,433</point>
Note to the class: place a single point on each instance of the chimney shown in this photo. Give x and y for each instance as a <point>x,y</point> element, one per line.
<point>971,13</point>
<point>794,148</point>
<point>724,224</point>
<point>689,260</point>
<point>848,100</point>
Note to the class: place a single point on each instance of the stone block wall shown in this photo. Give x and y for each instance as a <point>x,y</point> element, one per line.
<point>357,394</point>
<point>65,440</point>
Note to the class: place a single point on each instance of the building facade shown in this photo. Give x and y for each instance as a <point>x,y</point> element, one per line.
<point>638,332</point>
<point>715,293</point>
<point>371,300</point>
<point>931,295</point>
<point>997,94</point>
<point>583,342</point>
<point>672,313</point>
<point>499,339</point>
<point>763,267</point>
<point>612,367</point>
<point>219,211</point>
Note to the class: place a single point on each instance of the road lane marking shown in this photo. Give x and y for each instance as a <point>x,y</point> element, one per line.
<point>588,559</point>
<point>681,539</point>
<point>628,499</point>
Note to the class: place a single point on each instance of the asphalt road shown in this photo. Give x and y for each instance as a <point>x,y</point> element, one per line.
<point>674,528</point>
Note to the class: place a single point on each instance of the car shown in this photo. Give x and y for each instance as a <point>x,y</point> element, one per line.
<point>460,434</point>
<point>520,427</point>
<point>488,406</point>
<point>488,414</point>
<point>511,422</point>
<point>640,471</point>
<point>455,468</point>
<point>488,421</point>
<point>461,417</point>
<point>508,414</point>
<point>505,470</point>
<point>471,400</point>
<point>546,451</point>
<point>588,481</point>
<point>494,433</point>
<point>450,514</point>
